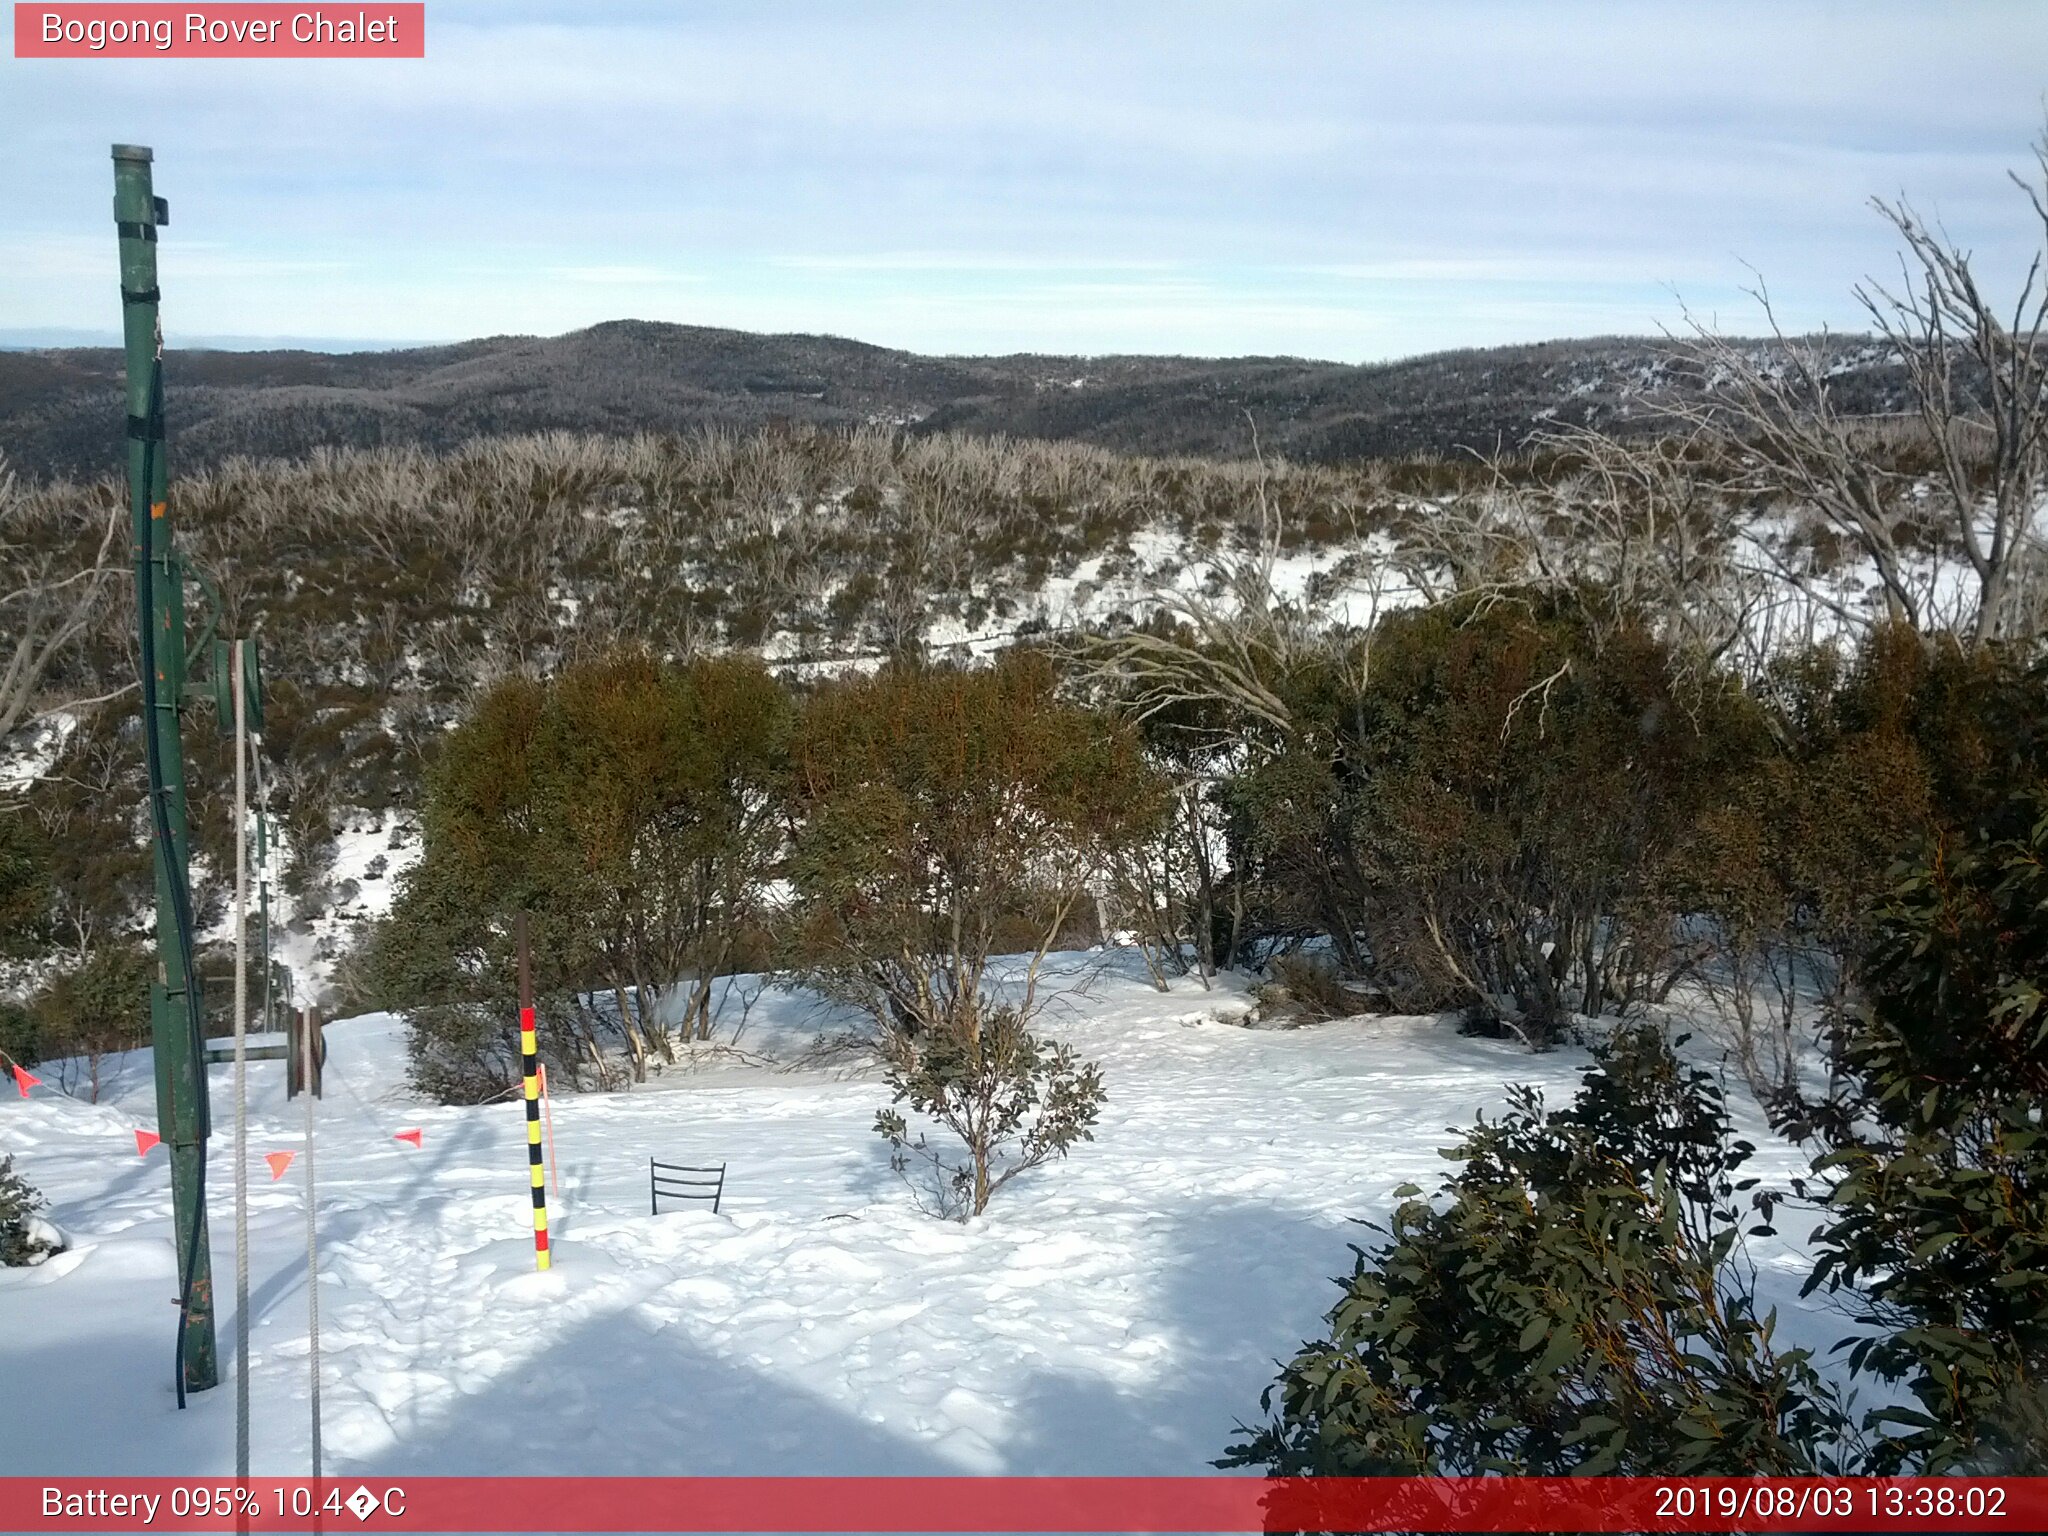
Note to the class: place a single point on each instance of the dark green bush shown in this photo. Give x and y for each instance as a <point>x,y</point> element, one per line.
<point>24,882</point>
<point>1936,1160</point>
<point>18,1202</point>
<point>1575,1303</point>
<point>20,1041</point>
<point>946,817</point>
<point>1527,774</point>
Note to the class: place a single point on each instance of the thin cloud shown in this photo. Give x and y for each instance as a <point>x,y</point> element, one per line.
<point>1338,179</point>
<point>623,276</point>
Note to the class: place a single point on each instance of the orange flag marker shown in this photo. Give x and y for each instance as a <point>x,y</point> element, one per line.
<point>24,1082</point>
<point>144,1140</point>
<point>412,1136</point>
<point>279,1161</point>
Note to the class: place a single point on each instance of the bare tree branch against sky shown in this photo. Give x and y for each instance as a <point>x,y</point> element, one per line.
<point>1339,180</point>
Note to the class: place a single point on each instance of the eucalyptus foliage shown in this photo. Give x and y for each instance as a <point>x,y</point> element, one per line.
<point>1575,1301</point>
<point>1936,1162</point>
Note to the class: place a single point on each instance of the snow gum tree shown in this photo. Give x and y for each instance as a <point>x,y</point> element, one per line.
<point>946,818</point>
<point>664,786</point>
<point>1511,789</point>
<point>632,808</point>
<point>1975,369</point>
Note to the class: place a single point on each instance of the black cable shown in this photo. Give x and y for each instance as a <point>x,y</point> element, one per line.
<point>181,909</point>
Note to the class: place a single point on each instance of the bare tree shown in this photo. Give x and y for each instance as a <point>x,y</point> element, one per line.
<point>1629,526</point>
<point>1980,386</point>
<point>1976,378</point>
<point>1232,649</point>
<point>47,603</point>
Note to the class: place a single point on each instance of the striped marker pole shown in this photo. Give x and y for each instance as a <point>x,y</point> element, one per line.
<point>529,1059</point>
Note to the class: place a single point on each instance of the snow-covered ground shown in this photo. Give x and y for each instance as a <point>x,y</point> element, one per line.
<point>1117,1313</point>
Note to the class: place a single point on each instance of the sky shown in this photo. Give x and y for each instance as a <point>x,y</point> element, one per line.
<point>1350,181</point>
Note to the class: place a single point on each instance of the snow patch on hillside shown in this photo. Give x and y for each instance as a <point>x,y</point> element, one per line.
<point>33,750</point>
<point>371,851</point>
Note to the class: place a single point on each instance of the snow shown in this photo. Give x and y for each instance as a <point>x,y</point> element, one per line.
<point>34,750</point>
<point>370,852</point>
<point>1116,1313</point>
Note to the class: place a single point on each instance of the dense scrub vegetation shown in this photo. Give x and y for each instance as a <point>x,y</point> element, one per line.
<point>1528,814</point>
<point>1522,809</point>
<point>630,807</point>
<point>1575,1300</point>
<point>392,584</point>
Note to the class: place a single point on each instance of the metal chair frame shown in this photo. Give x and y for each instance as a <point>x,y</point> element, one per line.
<point>678,1181</point>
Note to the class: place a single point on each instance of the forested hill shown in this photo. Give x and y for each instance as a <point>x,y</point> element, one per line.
<point>61,411</point>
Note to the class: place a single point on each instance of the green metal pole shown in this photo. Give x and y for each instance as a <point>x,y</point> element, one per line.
<point>175,1008</point>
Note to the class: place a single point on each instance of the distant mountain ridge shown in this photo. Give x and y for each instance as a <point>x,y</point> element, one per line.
<point>62,411</point>
<point>42,339</point>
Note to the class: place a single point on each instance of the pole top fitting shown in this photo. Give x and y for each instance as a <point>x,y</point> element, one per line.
<point>136,152</point>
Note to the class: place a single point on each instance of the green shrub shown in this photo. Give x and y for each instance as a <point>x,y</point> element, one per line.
<point>1526,775</point>
<point>1012,1100</point>
<point>20,1040</point>
<point>18,1203</point>
<point>632,809</point>
<point>1913,736</point>
<point>945,818</point>
<point>96,1009</point>
<point>1575,1304</point>
<point>1936,1159</point>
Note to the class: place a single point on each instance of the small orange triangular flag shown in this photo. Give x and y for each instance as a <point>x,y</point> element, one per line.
<point>279,1161</point>
<point>24,1082</point>
<point>412,1136</point>
<point>144,1140</point>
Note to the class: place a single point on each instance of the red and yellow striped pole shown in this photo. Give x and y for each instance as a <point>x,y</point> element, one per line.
<point>529,1061</point>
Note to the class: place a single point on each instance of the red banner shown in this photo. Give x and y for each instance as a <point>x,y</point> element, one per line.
<point>264,31</point>
<point>1052,1504</point>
